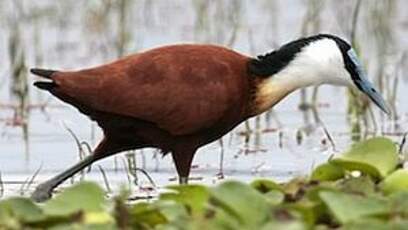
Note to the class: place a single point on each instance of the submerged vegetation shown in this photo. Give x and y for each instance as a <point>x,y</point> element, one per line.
<point>365,187</point>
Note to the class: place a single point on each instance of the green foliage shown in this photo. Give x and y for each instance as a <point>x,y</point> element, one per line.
<point>331,198</point>
<point>242,203</point>
<point>194,197</point>
<point>396,182</point>
<point>88,197</point>
<point>376,157</point>
<point>145,216</point>
<point>349,207</point>
<point>327,172</point>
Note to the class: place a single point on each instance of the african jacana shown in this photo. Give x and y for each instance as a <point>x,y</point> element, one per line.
<point>178,98</point>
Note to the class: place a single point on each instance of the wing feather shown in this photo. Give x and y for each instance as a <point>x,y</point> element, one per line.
<point>182,89</point>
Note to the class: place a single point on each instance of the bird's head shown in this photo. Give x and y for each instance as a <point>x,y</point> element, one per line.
<point>315,60</point>
<point>354,75</point>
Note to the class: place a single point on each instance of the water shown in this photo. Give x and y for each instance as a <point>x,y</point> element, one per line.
<point>67,37</point>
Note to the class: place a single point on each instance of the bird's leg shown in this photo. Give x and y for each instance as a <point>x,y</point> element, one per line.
<point>44,190</point>
<point>183,159</point>
<point>183,179</point>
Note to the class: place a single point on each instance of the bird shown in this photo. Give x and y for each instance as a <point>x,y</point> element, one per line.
<point>178,98</point>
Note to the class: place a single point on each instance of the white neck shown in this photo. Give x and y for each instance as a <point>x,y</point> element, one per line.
<point>320,62</point>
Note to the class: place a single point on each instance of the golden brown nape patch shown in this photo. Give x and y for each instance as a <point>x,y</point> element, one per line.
<point>269,92</point>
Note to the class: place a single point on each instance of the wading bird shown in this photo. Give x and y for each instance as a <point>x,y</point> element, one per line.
<point>180,97</point>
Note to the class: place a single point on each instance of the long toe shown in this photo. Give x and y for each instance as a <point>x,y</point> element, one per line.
<point>42,193</point>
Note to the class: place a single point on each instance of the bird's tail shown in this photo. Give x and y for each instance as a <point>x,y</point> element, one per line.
<point>47,74</point>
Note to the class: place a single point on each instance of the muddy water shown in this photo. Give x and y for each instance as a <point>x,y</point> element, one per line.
<point>288,143</point>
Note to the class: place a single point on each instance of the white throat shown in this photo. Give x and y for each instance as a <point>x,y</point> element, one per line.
<point>320,62</point>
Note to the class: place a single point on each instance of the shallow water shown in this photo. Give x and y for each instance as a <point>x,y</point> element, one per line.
<point>274,150</point>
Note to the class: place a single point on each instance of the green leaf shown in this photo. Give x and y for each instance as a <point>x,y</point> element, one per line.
<point>348,207</point>
<point>242,203</point>
<point>98,218</point>
<point>319,210</point>
<point>313,193</point>
<point>274,197</point>
<point>144,214</point>
<point>85,196</point>
<point>399,203</point>
<point>171,210</point>
<point>264,186</point>
<point>327,172</point>
<point>377,157</point>
<point>397,181</point>
<point>398,224</point>
<point>194,197</point>
<point>376,224</point>
<point>363,185</point>
<point>306,210</point>
<point>23,209</point>
<point>272,191</point>
<point>222,219</point>
<point>367,223</point>
<point>77,226</point>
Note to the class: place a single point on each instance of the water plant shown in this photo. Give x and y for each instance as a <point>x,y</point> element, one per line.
<point>333,196</point>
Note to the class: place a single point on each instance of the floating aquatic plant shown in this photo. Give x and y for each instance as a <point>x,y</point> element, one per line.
<point>333,196</point>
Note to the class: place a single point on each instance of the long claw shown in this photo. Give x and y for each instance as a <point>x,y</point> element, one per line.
<point>42,192</point>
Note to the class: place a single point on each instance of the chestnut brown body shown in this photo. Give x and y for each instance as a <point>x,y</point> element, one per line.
<point>175,98</point>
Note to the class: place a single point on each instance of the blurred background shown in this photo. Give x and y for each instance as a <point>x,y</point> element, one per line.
<point>40,136</point>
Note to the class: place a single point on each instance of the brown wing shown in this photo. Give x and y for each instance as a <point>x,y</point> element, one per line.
<point>181,88</point>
